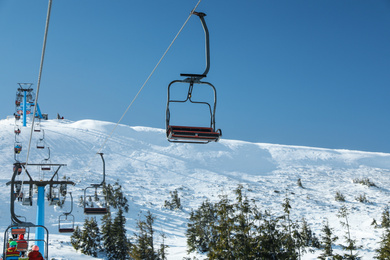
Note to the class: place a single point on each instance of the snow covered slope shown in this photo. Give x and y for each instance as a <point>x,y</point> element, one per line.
<point>149,167</point>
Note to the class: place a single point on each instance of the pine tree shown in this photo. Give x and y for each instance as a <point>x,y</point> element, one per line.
<point>119,239</point>
<point>143,248</point>
<point>309,239</point>
<point>90,238</point>
<point>383,252</point>
<point>327,240</point>
<point>268,237</point>
<point>115,197</point>
<point>351,243</point>
<point>222,246</point>
<point>243,224</point>
<point>200,228</point>
<point>175,201</point>
<point>288,239</point>
<point>75,238</point>
<point>386,218</point>
<point>108,242</point>
<point>162,254</point>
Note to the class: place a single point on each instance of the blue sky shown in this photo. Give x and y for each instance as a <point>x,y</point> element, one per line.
<point>312,73</point>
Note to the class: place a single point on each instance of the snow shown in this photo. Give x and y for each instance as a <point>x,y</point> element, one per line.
<point>149,167</point>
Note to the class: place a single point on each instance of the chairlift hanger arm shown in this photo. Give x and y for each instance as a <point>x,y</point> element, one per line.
<point>14,217</point>
<point>207,47</point>
<point>71,204</point>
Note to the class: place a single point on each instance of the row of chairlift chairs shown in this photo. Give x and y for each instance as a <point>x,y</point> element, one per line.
<point>66,220</point>
<point>94,199</point>
<point>41,144</point>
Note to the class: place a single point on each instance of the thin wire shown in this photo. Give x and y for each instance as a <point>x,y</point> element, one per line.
<point>39,78</point>
<point>38,86</point>
<point>150,75</point>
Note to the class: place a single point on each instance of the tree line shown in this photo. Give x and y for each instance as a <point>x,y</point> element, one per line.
<point>227,229</point>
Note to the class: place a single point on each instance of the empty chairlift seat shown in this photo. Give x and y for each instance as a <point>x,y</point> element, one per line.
<point>195,134</point>
<point>95,211</point>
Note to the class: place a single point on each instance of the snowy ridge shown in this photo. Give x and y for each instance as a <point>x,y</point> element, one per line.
<point>148,167</point>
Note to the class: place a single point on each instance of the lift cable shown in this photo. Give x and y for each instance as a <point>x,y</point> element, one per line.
<point>150,75</point>
<point>38,86</point>
<point>39,78</point>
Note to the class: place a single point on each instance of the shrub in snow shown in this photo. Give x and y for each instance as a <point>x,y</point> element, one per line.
<point>339,196</point>
<point>364,181</point>
<point>362,198</point>
<point>174,203</point>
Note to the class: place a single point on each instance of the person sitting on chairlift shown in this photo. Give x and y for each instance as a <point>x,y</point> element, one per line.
<point>12,250</point>
<point>35,254</point>
<point>22,243</point>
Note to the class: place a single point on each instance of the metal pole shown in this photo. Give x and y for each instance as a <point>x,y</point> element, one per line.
<point>39,111</point>
<point>24,108</point>
<point>40,233</point>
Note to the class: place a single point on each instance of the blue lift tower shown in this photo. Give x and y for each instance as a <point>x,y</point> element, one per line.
<point>24,101</point>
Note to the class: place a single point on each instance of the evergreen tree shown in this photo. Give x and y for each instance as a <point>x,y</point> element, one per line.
<point>327,240</point>
<point>75,238</point>
<point>383,252</point>
<point>308,238</point>
<point>162,251</point>
<point>175,201</point>
<point>222,246</point>
<point>289,245</point>
<point>269,237</point>
<point>243,241</point>
<point>351,243</point>
<point>143,248</point>
<point>115,197</point>
<point>119,239</point>
<point>107,236</point>
<point>200,228</point>
<point>386,218</point>
<point>90,238</point>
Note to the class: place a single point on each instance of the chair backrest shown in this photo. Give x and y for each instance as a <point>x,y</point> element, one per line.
<point>22,246</point>
<point>18,231</point>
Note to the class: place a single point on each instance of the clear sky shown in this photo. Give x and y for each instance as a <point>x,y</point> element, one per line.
<point>301,72</point>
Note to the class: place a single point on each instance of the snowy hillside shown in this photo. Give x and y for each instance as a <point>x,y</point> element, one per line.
<point>149,167</point>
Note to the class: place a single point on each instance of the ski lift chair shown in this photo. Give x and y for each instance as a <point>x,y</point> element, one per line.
<point>46,163</point>
<point>63,189</point>
<point>194,134</point>
<point>66,223</point>
<point>41,144</point>
<point>37,128</point>
<point>99,205</point>
<point>24,228</point>
<point>54,198</point>
<point>17,130</point>
<point>66,220</point>
<point>27,199</point>
<point>18,147</point>
<point>17,168</point>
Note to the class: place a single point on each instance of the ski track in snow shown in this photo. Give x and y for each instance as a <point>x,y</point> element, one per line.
<point>148,167</point>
